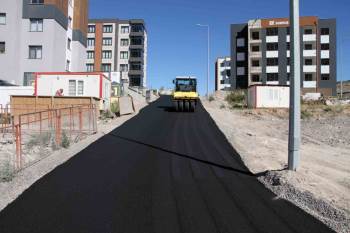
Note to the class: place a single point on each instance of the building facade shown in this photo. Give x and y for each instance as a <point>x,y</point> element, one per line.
<point>223,73</point>
<point>260,50</point>
<point>119,47</point>
<point>41,36</point>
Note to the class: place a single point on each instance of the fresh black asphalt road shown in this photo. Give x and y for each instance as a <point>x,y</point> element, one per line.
<point>161,172</point>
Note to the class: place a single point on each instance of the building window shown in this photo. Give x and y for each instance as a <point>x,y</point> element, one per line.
<point>124,42</point>
<point>125,29</point>
<point>72,88</point>
<point>308,46</point>
<point>2,47</point>
<point>255,35</point>
<point>136,53</point>
<point>70,22</point>
<point>80,88</point>
<point>135,80</point>
<point>272,61</point>
<point>325,61</point>
<point>135,66</point>
<point>324,31</point>
<point>240,42</point>
<point>36,25</point>
<point>137,40</point>
<point>124,55</point>
<point>324,77</point>
<point>255,78</point>
<point>255,48</point>
<point>288,61</point>
<point>2,18</point>
<point>271,46</point>
<point>308,77</point>
<point>69,44</point>
<point>89,67</point>
<point>308,62</point>
<point>90,54</point>
<point>106,54</point>
<point>137,28</point>
<point>288,31</point>
<point>91,42</point>
<point>124,67</point>
<point>107,41</point>
<point>68,65</point>
<point>308,31</point>
<point>288,45</point>
<point>272,31</point>
<point>35,52</point>
<point>272,77</point>
<point>324,46</point>
<point>36,1</point>
<point>28,79</point>
<point>107,29</point>
<point>91,29</point>
<point>255,63</point>
<point>106,67</point>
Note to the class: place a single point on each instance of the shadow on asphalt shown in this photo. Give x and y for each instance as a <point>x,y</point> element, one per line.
<point>185,156</point>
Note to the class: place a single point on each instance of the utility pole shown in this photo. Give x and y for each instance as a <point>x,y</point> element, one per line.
<point>208,61</point>
<point>294,108</point>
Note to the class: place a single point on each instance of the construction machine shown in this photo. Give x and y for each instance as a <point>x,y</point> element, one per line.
<point>185,96</point>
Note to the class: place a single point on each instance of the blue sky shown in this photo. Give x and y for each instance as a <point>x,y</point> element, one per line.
<point>178,47</point>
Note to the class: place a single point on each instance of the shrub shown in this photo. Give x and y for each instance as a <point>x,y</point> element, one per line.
<point>236,99</point>
<point>6,172</point>
<point>107,115</point>
<point>115,108</point>
<point>305,114</point>
<point>40,139</point>
<point>65,140</point>
<point>211,98</point>
<point>222,106</point>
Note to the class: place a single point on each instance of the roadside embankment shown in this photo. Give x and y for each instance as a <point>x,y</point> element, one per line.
<point>321,186</point>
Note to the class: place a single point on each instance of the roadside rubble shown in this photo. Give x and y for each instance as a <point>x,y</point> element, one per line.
<point>321,186</point>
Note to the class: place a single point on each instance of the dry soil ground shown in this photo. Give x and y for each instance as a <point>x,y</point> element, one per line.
<point>321,186</point>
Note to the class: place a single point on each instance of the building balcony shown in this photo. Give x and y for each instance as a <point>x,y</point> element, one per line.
<point>137,33</point>
<point>309,68</point>
<point>272,54</point>
<point>309,53</point>
<point>137,46</point>
<point>136,59</point>
<point>271,69</point>
<point>324,39</point>
<point>309,84</point>
<point>325,54</point>
<point>135,72</point>
<point>324,69</point>
<point>255,69</point>
<point>271,39</point>
<point>255,41</point>
<point>255,54</point>
<point>310,37</point>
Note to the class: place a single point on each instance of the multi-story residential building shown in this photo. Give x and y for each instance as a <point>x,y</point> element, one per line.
<point>118,46</point>
<point>222,73</point>
<point>260,50</point>
<point>41,36</point>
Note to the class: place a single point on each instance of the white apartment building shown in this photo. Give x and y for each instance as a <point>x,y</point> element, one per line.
<point>41,36</point>
<point>223,73</point>
<point>118,47</point>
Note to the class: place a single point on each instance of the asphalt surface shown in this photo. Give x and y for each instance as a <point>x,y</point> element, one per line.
<point>160,172</point>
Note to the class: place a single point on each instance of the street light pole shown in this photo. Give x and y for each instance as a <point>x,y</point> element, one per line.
<point>208,61</point>
<point>294,109</point>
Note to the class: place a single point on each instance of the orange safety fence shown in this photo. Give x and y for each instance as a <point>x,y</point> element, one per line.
<point>37,134</point>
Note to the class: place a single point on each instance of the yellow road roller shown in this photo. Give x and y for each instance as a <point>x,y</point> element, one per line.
<point>185,96</point>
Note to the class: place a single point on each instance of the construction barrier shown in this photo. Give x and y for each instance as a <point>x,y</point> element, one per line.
<point>33,136</point>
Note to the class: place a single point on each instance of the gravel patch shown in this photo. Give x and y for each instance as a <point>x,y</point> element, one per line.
<point>277,182</point>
